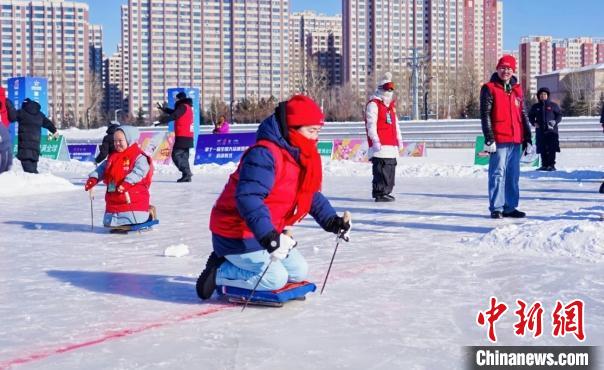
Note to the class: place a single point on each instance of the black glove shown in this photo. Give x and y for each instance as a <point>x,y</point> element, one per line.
<point>161,107</point>
<point>525,144</point>
<point>551,125</point>
<point>270,241</point>
<point>337,225</point>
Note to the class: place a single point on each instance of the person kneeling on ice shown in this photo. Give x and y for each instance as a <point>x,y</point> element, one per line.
<point>276,184</point>
<point>127,172</point>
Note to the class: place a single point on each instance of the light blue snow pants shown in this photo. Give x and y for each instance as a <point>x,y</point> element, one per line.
<point>504,174</point>
<point>244,270</point>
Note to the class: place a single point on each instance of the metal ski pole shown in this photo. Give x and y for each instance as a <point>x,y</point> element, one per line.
<point>91,210</point>
<point>131,211</point>
<point>333,256</point>
<point>256,286</point>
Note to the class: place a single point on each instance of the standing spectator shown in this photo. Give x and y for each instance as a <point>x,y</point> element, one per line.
<point>182,115</point>
<point>107,147</point>
<point>31,120</point>
<point>221,127</point>
<point>545,116</point>
<point>505,127</point>
<point>7,113</point>
<point>384,138</point>
<point>602,122</point>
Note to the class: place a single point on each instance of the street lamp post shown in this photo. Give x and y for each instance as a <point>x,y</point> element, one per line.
<point>115,116</point>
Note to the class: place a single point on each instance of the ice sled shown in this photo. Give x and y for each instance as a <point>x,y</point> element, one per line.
<point>136,227</point>
<point>273,298</point>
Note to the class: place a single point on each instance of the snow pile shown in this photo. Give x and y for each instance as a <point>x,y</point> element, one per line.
<point>73,135</point>
<point>73,167</point>
<point>18,183</point>
<point>581,238</point>
<point>403,169</point>
<point>179,250</point>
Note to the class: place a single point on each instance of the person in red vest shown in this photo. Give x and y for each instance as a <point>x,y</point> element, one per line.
<point>277,183</point>
<point>128,173</point>
<point>384,138</point>
<point>506,128</point>
<point>602,123</point>
<point>182,115</point>
<point>7,114</point>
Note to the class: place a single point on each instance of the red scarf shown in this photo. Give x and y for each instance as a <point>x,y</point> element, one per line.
<point>311,174</point>
<point>120,164</point>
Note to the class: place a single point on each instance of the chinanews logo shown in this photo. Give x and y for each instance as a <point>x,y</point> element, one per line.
<point>565,319</point>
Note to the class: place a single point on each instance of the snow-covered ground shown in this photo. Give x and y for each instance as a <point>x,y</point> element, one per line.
<point>403,294</point>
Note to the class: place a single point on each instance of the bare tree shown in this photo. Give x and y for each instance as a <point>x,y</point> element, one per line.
<point>96,96</point>
<point>580,88</point>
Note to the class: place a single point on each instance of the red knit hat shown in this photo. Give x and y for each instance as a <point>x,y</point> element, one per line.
<point>303,111</point>
<point>507,61</point>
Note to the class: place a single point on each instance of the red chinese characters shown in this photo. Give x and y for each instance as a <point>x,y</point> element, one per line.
<point>492,315</point>
<point>569,319</point>
<point>533,320</point>
<point>566,319</point>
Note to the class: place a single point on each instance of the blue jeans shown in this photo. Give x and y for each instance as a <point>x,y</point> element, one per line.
<point>244,270</point>
<point>504,174</point>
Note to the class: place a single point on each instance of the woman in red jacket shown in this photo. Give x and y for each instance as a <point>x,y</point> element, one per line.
<point>127,172</point>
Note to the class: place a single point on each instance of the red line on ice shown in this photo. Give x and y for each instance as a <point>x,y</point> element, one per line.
<point>111,336</point>
<point>127,332</point>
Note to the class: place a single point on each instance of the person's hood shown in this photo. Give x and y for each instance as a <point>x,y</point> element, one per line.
<point>545,90</point>
<point>187,101</point>
<point>111,128</point>
<point>130,132</point>
<point>379,95</point>
<point>495,78</point>
<point>31,107</point>
<point>269,130</point>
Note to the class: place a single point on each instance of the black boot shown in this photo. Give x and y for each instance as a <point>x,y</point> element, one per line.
<point>185,178</point>
<point>206,283</point>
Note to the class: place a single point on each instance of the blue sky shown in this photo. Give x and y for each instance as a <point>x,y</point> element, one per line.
<point>559,18</point>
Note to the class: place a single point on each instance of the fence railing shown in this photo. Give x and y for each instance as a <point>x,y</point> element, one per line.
<point>574,131</point>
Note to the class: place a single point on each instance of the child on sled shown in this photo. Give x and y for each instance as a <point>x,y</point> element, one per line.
<point>128,173</point>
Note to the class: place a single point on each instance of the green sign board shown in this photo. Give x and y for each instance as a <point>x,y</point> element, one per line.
<point>481,157</point>
<point>325,148</point>
<point>49,148</point>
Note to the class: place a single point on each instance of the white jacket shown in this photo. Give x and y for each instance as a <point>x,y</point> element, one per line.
<point>371,116</point>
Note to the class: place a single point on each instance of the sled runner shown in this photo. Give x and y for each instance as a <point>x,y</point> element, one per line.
<point>274,298</point>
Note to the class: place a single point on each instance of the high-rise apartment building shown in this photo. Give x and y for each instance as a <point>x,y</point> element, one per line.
<point>536,57</point>
<point>543,54</point>
<point>114,96</point>
<point>380,35</point>
<point>229,49</point>
<point>315,49</point>
<point>483,36</point>
<point>95,41</point>
<point>49,39</point>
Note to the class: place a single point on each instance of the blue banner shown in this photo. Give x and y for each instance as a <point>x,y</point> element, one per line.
<point>34,88</point>
<point>193,94</point>
<point>82,152</point>
<point>222,148</point>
